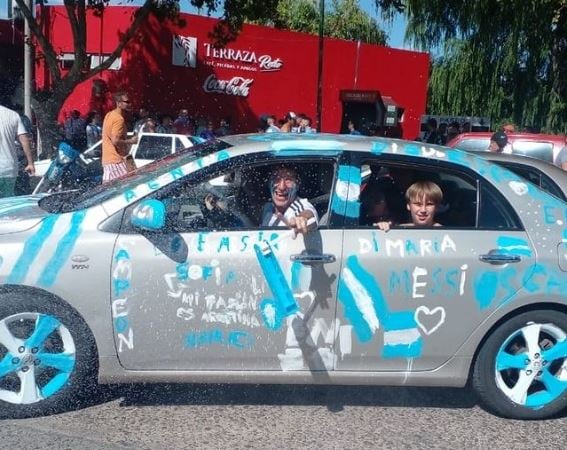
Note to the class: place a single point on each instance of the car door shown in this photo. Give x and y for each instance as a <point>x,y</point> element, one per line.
<point>204,295</point>
<point>413,295</point>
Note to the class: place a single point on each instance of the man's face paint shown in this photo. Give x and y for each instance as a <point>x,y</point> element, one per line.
<point>283,187</point>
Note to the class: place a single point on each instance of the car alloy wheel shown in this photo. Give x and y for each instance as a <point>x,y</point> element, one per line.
<point>48,357</point>
<point>38,357</point>
<point>521,369</point>
<point>531,365</point>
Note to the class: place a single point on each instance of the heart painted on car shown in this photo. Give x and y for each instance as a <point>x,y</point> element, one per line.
<point>429,320</point>
<point>518,187</point>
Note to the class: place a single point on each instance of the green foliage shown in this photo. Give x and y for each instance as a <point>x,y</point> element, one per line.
<point>347,20</point>
<point>344,19</point>
<point>502,58</point>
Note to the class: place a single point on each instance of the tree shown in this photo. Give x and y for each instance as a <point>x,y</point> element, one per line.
<point>48,102</point>
<point>343,20</point>
<point>346,20</point>
<point>502,58</point>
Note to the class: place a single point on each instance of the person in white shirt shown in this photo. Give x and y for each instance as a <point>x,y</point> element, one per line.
<point>286,208</point>
<point>271,125</point>
<point>11,129</point>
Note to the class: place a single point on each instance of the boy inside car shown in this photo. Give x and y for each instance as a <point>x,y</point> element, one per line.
<point>423,199</point>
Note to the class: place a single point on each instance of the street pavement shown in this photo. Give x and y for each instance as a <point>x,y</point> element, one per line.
<point>279,417</point>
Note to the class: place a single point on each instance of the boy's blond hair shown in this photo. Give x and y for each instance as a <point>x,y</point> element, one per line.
<point>427,189</point>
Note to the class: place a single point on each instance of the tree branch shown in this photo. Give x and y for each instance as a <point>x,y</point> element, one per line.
<point>140,16</point>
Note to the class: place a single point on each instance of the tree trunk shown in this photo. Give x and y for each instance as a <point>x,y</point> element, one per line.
<point>47,105</point>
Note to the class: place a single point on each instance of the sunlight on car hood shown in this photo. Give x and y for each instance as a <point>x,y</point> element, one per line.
<point>20,213</point>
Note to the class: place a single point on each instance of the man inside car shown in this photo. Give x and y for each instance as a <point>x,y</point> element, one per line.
<point>286,208</point>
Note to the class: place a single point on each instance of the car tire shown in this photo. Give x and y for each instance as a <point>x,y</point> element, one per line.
<point>48,360</point>
<point>521,370</point>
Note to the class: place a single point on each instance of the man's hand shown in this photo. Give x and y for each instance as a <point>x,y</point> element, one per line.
<point>299,224</point>
<point>30,169</point>
<point>133,140</point>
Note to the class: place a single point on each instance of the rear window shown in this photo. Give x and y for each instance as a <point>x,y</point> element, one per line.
<point>534,149</point>
<point>153,147</point>
<point>537,177</point>
<point>476,144</point>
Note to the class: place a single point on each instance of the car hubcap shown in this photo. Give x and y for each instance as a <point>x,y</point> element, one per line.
<point>37,356</point>
<point>531,365</point>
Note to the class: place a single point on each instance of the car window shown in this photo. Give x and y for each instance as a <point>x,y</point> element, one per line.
<point>81,199</point>
<point>495,212</point>
<point>535,149</point>
<point>179,145</point>
<point>474,144</point>
<point>153,147</point>
<point>238,196</point>
<point>383,194</point>
<point>535,176</point>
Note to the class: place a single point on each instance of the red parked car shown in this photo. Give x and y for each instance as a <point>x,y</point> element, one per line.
<point>541,146</point>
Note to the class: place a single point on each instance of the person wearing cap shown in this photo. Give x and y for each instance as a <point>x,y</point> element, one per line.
<point>499,143</point>
<point>289,122</point>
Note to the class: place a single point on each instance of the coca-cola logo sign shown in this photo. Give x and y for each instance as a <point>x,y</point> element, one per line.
<point>240,59</point>
<point>238,86</point>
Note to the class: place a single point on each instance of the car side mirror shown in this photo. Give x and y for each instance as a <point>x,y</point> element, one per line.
<point>149,215</point>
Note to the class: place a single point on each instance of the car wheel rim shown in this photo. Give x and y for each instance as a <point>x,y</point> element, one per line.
<point>531,365</point>
<point>37,357</point>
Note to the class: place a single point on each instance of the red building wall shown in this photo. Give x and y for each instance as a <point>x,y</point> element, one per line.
<point>148,74</point>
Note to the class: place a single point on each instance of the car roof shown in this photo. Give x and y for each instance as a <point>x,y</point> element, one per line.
<point>555,138</point>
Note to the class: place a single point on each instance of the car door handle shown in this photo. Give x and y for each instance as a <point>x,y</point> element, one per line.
<point>499,258</point>
<point>309,258</point>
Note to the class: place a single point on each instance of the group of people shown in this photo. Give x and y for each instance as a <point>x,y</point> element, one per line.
<point>146,122</point>
<point>82,132</point>
<point>442,133</point>
<point>290,123</point>
<point>287,209</point>
<point>116,160</point>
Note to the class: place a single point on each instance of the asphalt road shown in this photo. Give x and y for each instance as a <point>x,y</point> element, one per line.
<point>280,417</point>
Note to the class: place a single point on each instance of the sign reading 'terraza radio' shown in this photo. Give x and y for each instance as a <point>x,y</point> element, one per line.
<point>262,63</point>
<point>184,53</point>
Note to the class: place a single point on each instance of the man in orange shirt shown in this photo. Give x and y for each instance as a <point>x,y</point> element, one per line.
<point>115,143</point>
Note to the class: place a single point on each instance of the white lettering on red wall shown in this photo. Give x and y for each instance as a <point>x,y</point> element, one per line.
<point>235,86</point>
<point>240,59</point>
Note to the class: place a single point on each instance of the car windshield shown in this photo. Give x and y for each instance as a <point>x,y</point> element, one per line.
<point>81,199</point>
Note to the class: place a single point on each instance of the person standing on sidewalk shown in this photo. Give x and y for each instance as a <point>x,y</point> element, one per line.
<point>11,129</point>
<point>115,143</point>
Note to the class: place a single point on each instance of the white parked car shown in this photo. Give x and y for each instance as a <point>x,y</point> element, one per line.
<point>150,146</point>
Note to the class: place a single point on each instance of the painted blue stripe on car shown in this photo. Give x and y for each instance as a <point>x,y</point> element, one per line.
<point>513,245</point>
<point>412,350</point>
<point>63,251</point>
<point>31,249</point>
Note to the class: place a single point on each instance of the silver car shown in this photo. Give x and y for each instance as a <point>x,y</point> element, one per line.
<point>167,276</point>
